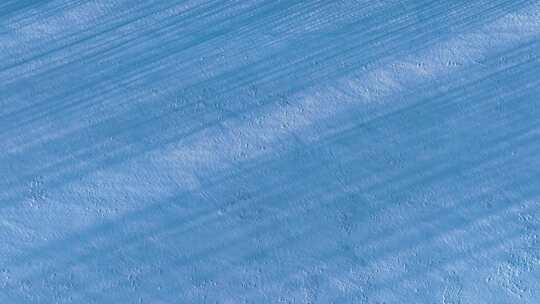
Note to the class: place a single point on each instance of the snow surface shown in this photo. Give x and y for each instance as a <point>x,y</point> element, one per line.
<point>254,151</point>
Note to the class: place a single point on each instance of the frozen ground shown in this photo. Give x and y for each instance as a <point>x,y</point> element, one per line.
<point>270,151</point>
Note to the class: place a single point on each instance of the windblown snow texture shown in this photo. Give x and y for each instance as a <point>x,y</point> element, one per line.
<point>187,151</point>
